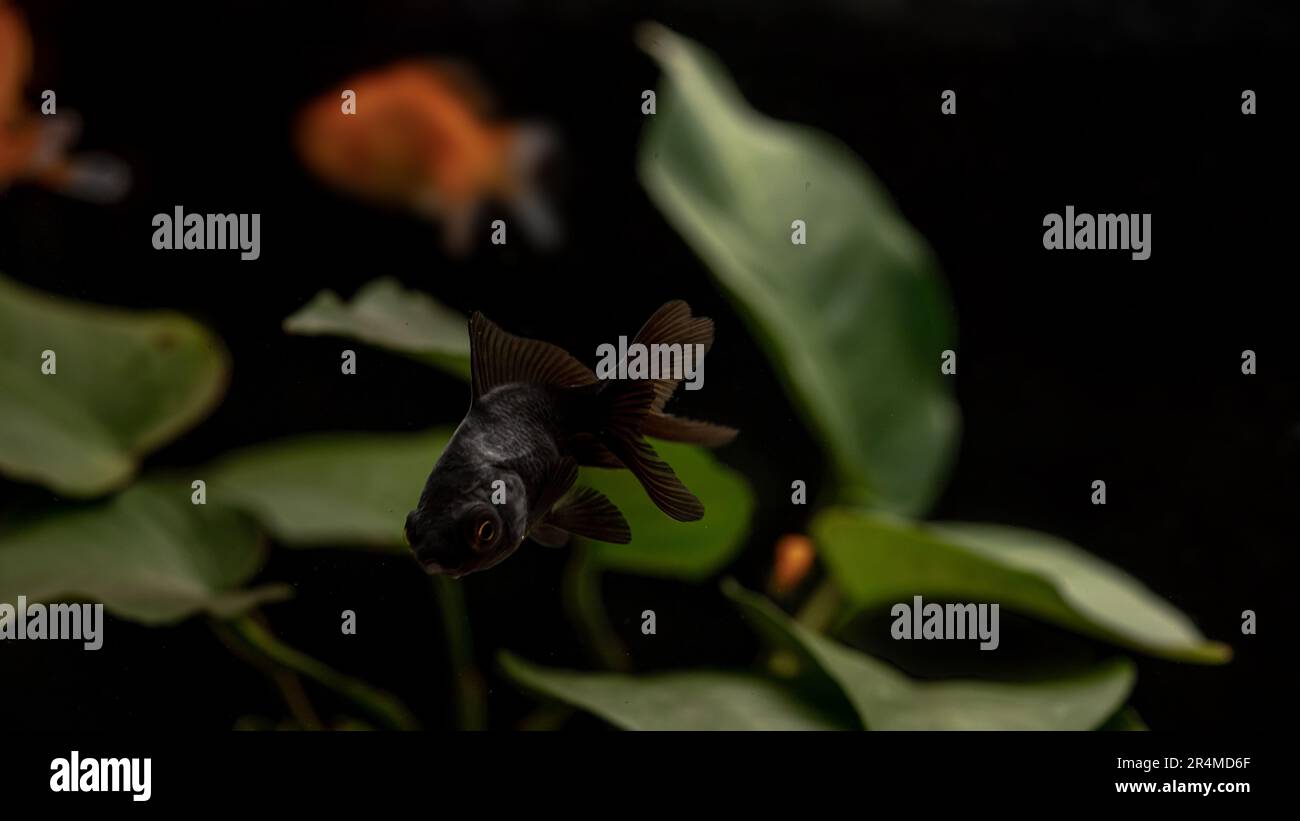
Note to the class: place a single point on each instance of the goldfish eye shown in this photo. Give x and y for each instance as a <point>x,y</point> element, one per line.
<point>484,534</point>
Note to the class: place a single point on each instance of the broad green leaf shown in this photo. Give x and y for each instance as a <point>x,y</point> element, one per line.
<point>877,560</point>
<point>662,546</point>
<point>674,701</point>
<point>385,314</point>
<point>148,554</point>
<point>330,489</point>
<point>885,699</point>
<point>125,383</point>
<point>857,319</point>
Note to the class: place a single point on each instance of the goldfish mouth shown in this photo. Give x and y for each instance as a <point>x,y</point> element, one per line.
<point>435,569</point>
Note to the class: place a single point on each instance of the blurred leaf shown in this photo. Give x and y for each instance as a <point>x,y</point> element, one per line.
<point>385,314</point>
<point>662,546</point>
<point>673,701</point>
<point>126,383</point>
<point>877,560</point>
<point>886,699</point>
<point>856,319</point>
<point>1126,720</point>
<point>148,555</point>
<point>330,489</point>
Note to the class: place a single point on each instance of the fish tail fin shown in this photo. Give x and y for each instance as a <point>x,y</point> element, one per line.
<point>627,404</point>
<point>690,431</point>
<point>634,409</point>
<point>93,177</point>
<point>673,324</point>
<point>532,147</point>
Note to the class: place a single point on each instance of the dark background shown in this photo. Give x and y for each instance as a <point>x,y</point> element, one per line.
<point>1072,367</point>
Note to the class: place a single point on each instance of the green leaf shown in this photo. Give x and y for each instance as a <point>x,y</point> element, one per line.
<point>877,560</point>
<point>1126,720</point>
<point>330,489</point>
<point>662,546</point>
<point>126,382</point>
<point>385,314</point>
<point>148,555</point>
<point>673,701</point>
<point>856,320</point>
<point>885,699</point>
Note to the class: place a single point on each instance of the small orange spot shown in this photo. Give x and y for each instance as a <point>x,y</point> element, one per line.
<point>794,558</point>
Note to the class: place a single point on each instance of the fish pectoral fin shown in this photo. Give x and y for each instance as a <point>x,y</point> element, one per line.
<point>500,358</point>
<point>563,473</point>
<point>588,513</point>
<point>549,535</point>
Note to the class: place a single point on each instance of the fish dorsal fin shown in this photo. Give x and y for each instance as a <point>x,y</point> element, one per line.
<point>462,81</point>
<point>499,358</point>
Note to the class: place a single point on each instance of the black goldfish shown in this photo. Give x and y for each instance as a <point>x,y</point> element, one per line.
<point>535,415</point>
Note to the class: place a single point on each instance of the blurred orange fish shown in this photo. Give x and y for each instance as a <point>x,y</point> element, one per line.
<point>33,148</point>
<point>420,136</point>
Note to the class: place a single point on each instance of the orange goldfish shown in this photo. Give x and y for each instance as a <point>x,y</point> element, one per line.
<point>33,148</point>
<point>420,136</point>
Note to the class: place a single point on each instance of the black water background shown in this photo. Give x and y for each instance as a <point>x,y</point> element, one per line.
<point>1072,367</point>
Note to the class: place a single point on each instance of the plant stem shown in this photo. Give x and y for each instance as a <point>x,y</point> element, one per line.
<point>471,695</point>
<point>819,611</point>
<point>384,707</point>
<point>295,695</point>
<point>587,610</point>
<point>286,681</point>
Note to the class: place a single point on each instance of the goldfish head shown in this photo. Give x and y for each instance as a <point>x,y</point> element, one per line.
<point>469,518</point>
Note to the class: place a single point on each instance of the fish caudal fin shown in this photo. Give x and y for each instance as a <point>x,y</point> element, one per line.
<point>629,403</point>
<point>94,177</point>
<point>673,324</point>
<point>691,431</point>
<point>531,148</point>
<point>635,409</point>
